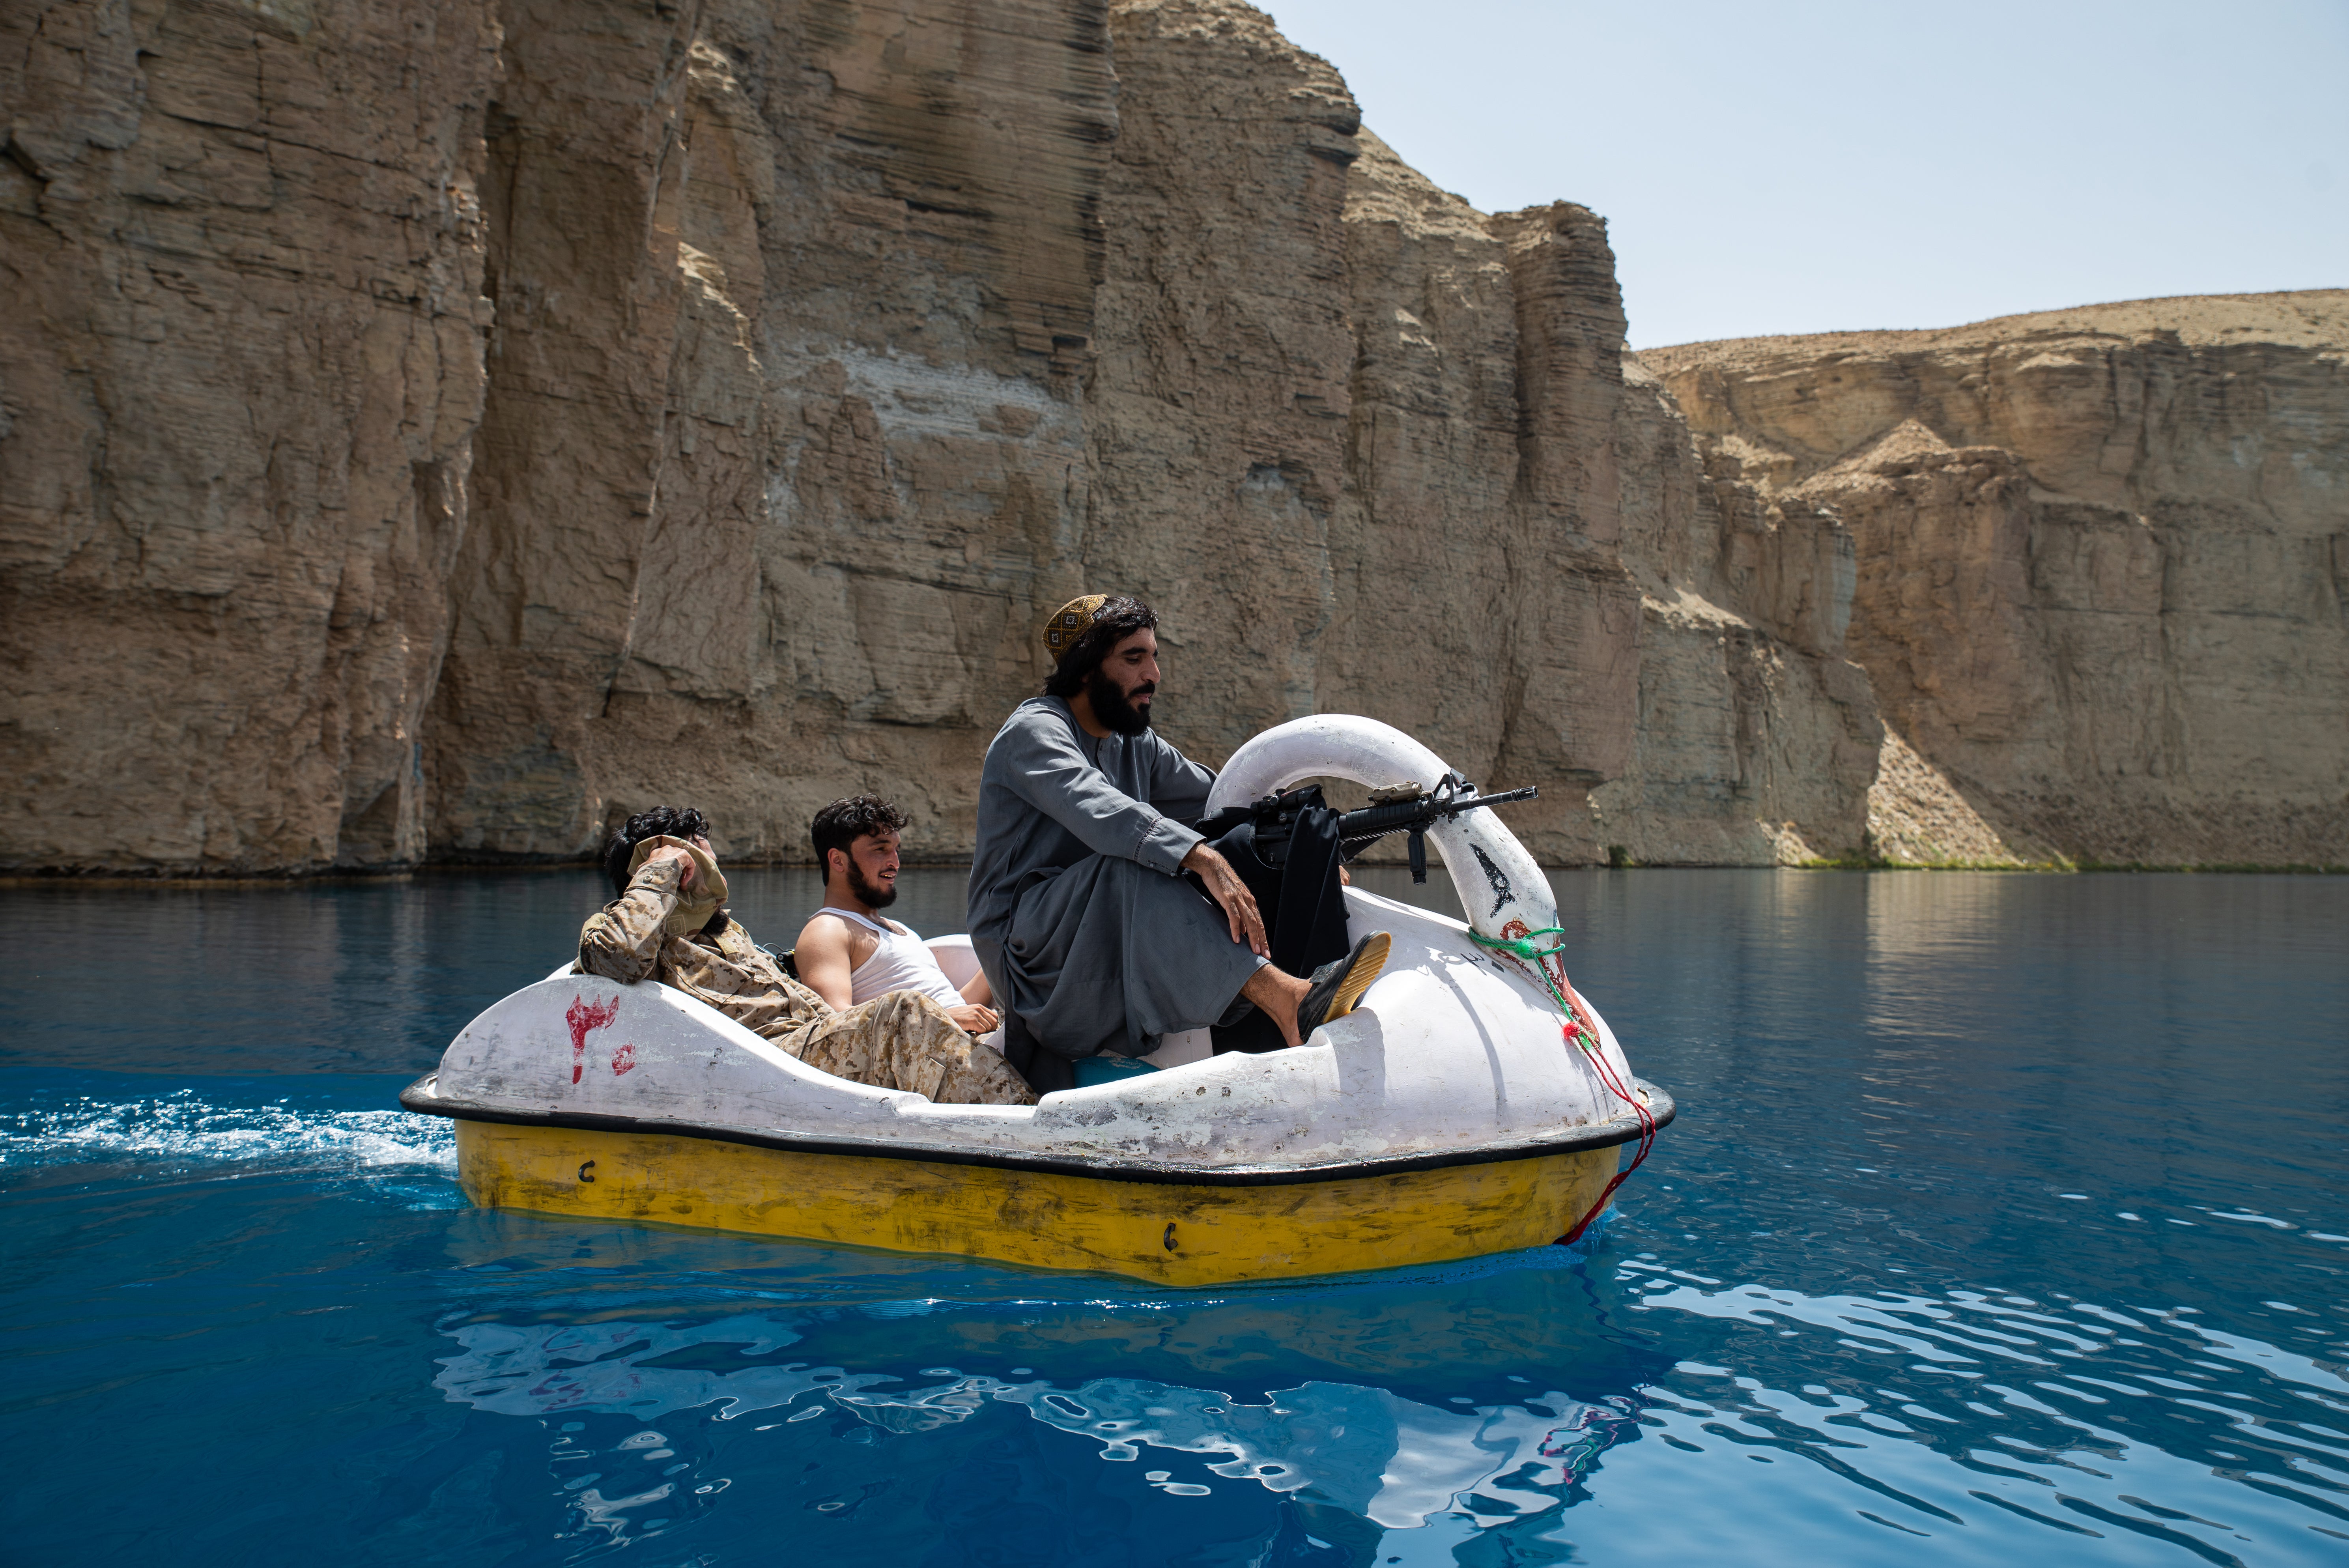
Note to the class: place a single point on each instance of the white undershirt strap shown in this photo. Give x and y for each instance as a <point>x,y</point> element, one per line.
<point>867,921</point>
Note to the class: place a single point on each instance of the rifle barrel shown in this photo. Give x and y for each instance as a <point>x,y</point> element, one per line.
<point>1402,815</point>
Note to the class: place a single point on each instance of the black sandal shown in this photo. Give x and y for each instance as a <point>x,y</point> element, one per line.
<point>1338,986</point>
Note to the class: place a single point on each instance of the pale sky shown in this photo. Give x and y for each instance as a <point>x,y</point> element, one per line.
<point>1826,165</point>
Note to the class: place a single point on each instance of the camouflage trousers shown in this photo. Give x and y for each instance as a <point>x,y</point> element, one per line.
<point>906,1041</point>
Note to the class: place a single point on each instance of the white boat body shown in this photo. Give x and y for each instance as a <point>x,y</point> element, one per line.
<point>1456,1053</point>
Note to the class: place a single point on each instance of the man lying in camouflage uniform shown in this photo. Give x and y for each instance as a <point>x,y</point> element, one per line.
<point>669,923</point>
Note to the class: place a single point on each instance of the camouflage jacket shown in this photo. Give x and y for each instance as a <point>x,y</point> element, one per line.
<point>624,941</point>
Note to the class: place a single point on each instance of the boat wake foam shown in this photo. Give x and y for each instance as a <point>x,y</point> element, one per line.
<point>183,1132</point>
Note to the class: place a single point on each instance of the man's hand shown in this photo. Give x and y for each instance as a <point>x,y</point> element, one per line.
<point>1224,886</point>
<point>671,852</point>
<point>973,1019</point>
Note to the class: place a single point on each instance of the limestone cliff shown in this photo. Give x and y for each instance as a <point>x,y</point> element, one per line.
<point>1756,739</point>
<point>783,444</point>
<point>434,432</point>
<point>241,247</point>
<point>2101,561</point>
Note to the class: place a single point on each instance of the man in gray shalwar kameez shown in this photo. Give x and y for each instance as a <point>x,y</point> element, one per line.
<point>1091,936</point>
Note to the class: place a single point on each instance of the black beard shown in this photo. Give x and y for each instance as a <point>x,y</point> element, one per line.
<point>867,894</point>
<point>1112,706</point>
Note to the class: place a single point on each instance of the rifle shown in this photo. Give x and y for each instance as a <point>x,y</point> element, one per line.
<point>1401,808</point>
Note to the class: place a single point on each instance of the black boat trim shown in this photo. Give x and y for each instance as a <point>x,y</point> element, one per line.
<point>1102,1167</point>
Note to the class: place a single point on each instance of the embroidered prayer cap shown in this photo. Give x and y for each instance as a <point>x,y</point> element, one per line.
<point>1070,622</point>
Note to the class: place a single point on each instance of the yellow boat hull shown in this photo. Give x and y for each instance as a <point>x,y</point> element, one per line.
<point>1170,1233</point>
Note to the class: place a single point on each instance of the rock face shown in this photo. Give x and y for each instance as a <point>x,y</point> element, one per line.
<point>2102,558</point>
<point>436,431</point>
<point>1756,738</point>
<point>240,371</point>
<point>785,440</point>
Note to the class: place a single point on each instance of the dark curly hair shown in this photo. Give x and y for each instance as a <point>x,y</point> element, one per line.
<point>661,822</point>
<point>840,825</point>
<point>1121,617</point>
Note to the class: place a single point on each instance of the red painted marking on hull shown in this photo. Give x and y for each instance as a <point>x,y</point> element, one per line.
<point>585,1015</point>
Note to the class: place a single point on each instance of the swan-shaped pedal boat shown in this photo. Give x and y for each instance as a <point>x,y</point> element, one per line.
<point>1460,1109</point>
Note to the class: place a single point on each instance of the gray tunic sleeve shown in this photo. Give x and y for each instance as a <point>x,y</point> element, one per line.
<point>1048,771</point>
<point>1178,786</point>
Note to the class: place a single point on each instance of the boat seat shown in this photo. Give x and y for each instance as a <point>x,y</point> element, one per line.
<point>956,956</point>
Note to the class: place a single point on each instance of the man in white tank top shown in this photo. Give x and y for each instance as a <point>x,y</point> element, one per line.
<point>848,953</point>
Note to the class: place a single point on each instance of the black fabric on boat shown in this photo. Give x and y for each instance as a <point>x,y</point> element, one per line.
<point>1045,1071</point>
<point>1294,879</point>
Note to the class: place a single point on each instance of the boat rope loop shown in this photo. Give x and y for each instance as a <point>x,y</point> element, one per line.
<point>1579,1033</point>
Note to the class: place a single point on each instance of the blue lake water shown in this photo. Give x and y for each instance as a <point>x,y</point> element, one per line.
<point>2004,1222</point>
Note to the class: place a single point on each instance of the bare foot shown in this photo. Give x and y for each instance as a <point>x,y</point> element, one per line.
<point>1277,995</point>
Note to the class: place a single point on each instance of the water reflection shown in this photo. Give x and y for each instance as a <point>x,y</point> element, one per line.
<point>301,977</point>
<point>828,1382</point>
<point>1378,1455</point>
<point>1475,1404</point>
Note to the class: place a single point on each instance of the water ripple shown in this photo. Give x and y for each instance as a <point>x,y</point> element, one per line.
<point>2008,1409</point>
